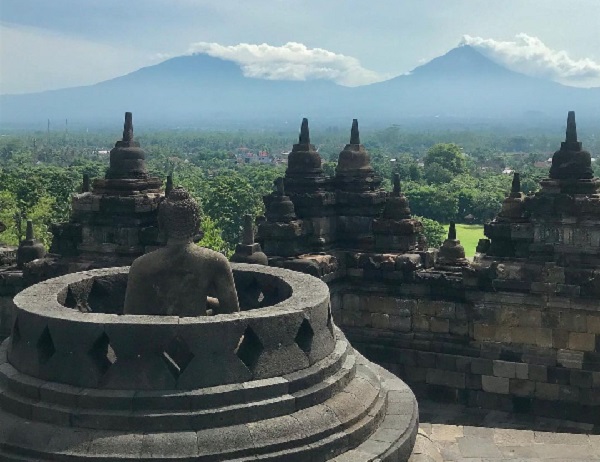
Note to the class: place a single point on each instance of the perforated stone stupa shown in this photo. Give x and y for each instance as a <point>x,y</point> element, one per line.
<point>277,383</point>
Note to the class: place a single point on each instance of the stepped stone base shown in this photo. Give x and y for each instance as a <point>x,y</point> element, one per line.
<point>277,383</point>
<point>358,412</point>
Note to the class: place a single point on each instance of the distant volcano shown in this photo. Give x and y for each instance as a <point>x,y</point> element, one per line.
<point>463,61</point>
<point>199,90</point>
<point>465,84</point>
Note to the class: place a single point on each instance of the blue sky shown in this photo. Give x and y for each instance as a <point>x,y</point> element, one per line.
<point>52,44</point>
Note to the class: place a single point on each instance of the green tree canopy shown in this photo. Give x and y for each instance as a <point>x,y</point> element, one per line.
<point>229,196</point>
<point>432,202</point>
<point>213,237</point>
<point>434,231</point>
<point>436,174</point>
<point>448,156</point>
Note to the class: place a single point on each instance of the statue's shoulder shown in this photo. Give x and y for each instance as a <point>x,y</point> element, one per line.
<point>146,261</point>
<point>212,256</point>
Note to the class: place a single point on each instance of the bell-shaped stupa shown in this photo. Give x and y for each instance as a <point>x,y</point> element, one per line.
<point>571,162</point>
<point>451,255</point>
<point>30,248</point>
<point>354,171</point>
<point>304,171</point>
<point>397,207</point>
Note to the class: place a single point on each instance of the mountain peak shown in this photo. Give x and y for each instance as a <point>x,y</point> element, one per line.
<point>196,66</point>
<point>460,61</point>
<point>461,83</point>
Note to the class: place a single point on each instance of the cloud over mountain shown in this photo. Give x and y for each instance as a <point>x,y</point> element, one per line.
<point>292,61</point>
<point>530,56</point>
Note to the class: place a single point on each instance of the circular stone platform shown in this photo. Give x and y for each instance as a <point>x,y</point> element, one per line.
<point>276,383</point>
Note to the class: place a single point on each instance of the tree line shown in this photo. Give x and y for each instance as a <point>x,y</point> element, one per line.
<point>449,176</point>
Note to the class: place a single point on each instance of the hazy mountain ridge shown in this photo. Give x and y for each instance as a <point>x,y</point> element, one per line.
<point>191,89</point>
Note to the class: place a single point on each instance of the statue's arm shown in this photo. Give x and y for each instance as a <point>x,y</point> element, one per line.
<point>132,294</point>
<point>225,288</point>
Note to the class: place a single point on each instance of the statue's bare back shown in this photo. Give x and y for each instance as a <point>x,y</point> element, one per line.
<point>178,279</point>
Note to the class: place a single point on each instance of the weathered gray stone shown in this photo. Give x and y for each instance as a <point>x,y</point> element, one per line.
<point>116,444</point>
<point>522,371</point>
<point>505,369</point>
<point>495,384</point>
<point>338,402</point>
<point>447,378</point>
<point>547,391</point>
<point>482,366</point>
<point>519,387</point>
<point>172,444</point>
<point>582,341</point>
<point>570,359</point>
<point>538,373</point>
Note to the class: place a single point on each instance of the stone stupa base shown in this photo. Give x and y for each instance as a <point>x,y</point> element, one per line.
<point>277,383</point>
<point>326,412</point>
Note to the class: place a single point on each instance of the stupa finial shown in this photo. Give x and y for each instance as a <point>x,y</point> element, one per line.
<point>354,135</point>
<point>169,185</point>
<point>29,230</point>
<point>248,230</point>
<point>279,186</point>
<point>128,127</point>
<point>516,183</point>
<point>571,128</point>
<point>85,187</point>
<point>397,188</point>
<point>452,231</point>
<point>304,134</point>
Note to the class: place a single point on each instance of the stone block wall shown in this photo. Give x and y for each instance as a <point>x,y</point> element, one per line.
<point>518,352</point>
<point>11,283</point>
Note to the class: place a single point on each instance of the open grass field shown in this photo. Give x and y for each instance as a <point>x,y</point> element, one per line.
<point>469,236</point>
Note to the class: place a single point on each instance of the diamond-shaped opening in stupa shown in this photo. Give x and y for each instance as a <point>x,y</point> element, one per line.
<point>45,346</point>
<point>102,353</point>
<point>177,356</point>
<point>304,337</point>
<point>16,332</point>
<point>330,321</point>
<point>249,348</point>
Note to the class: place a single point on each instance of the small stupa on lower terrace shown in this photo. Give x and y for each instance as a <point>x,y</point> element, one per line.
<point>114,220</point>
<point>555,230</point>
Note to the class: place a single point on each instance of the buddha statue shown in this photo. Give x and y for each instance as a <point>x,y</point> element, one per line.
<point>176,280</point>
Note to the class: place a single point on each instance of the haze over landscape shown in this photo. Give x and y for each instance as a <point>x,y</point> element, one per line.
<point>199,88</point>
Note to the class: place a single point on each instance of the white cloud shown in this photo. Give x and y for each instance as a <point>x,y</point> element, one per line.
<point>292,61</point>
<point>529,55</point>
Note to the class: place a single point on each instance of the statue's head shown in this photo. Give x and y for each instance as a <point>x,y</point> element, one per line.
<point>179,215</point>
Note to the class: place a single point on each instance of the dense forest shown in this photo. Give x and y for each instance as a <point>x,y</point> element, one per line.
<point>447,175</point>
